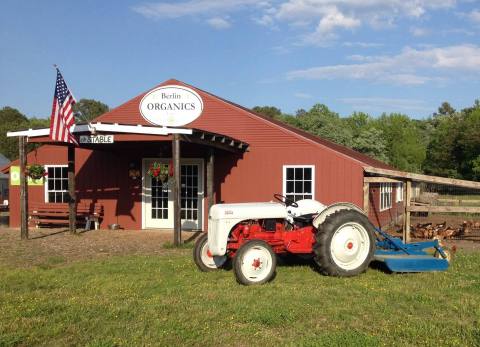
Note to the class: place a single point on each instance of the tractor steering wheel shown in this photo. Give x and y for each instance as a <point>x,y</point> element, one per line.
<point>284,200</point>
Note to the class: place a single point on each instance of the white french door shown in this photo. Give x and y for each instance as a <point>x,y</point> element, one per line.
<point>157,201</point>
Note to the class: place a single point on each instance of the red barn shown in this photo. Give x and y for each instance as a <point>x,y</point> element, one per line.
<point>252,157</point>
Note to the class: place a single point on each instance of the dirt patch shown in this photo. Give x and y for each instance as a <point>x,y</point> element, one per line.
<point>59,246</point>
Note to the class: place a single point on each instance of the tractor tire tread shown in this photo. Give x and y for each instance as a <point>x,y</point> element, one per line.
<point>321,249</point>
<point>197,253</point>
<point>241,279</point>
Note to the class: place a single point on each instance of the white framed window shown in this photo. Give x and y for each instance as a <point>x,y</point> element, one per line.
<point>399,193</point>
<point>56,184</point>
<point>299,182</point>
<point>385,196</point>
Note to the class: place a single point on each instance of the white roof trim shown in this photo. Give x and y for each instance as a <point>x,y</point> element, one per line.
<point>131,129</point>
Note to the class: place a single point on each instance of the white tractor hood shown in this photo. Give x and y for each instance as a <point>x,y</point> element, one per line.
<point>250,210</point>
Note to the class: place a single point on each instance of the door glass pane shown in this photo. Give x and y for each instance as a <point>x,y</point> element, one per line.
<point>159,200</point>
<point>189,184</point>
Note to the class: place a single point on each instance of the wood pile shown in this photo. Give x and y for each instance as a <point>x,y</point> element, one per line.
<point>442,230</point>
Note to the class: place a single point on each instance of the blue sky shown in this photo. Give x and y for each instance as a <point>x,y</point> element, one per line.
<point>365,55</point>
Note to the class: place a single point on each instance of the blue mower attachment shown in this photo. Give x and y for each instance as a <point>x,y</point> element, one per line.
<point>410,257</point>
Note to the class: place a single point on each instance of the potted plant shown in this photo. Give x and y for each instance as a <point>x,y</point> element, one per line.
<point>35,172</point>
<point>158,171</point>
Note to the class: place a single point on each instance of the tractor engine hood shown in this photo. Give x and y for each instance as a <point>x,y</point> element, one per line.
<point>223,217</point>
<point>250,210</point>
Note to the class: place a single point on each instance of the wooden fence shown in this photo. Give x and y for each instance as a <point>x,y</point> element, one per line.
<point>375,175</point>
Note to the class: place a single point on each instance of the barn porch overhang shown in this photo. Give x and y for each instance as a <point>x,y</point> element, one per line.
<point>126,133</point>
<point>123,135</point>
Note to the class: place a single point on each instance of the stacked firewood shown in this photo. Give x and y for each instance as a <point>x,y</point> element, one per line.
<point>442,230</point>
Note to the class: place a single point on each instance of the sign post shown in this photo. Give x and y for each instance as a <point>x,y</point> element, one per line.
<point>177,221</point>
<point>23,188</point>
<point>72,204</point>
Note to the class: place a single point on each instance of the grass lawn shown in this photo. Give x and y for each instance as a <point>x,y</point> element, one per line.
<point>164,300</point>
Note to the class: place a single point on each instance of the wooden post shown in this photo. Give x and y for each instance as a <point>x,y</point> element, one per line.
<point>210,178</point>
<point>177,221</point>
<point>366,195</point>
<point>23,188</point>
<point>72,203</point>
<point>407,196</point>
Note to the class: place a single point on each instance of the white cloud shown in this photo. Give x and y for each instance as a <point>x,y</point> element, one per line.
<point>219,23</point>
<point>419,32</point>
<point>320,21</point>
<point>474,16</point>
<point>331,15</point>
<point>362,44</point>
<point>410,67</point>
<point>328,24</point>
<point>266,20</point>
<point>336,19</point>
<point>457,31</point>
<point>292,10</point>
<point>380,104</point>
<point>192,7</point>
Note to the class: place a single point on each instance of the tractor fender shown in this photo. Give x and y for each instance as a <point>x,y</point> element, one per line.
<point>332,209</point>
<point>218,233</point>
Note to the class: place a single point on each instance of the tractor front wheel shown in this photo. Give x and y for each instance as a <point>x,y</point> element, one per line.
<point>254,263</point>
<point>345,244</point>
<point>204,260</point>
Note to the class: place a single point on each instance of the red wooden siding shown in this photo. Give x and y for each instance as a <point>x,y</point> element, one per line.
<point>102,173</point>
<point>388,216</point>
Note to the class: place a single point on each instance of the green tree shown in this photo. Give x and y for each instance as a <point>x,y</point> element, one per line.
<point>476,168</point>
<point>467,150</point>
<point>323,122</point>
<point>367,138</point>
<point>269,111</point>
<point>370,141</point>
<point>445,109</point>
<point>405,150</point>
<point>440,156</point>
<point>11,120</point>
<point>86,110</point>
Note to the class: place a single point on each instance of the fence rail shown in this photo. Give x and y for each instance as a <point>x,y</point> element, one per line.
<point>431,197</point>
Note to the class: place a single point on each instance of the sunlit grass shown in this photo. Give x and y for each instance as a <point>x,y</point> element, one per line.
<point>165,300</point>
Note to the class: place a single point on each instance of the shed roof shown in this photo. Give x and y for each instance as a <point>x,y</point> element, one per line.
<point>129,112</point>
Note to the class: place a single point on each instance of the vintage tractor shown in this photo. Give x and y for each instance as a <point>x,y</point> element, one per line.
<point>340,239</point>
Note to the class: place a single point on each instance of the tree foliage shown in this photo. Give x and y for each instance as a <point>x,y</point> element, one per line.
<point>10,120</point>
<point>323,122</point>
<point>269,111</point>
<point>86,110</point>
<point>446,144</point>
<point>404,148</point>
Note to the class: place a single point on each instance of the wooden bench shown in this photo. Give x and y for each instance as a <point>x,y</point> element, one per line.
<point>57,214</point>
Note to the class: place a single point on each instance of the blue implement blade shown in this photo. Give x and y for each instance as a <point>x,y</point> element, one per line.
<point>411,263</point>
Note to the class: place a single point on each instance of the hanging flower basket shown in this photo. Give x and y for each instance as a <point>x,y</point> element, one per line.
<point>158,171</point>
<point>35,172</point>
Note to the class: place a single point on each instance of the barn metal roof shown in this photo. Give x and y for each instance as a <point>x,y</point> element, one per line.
<point>129,111</point>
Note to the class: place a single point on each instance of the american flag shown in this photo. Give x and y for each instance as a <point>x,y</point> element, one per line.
<point>62,117</point>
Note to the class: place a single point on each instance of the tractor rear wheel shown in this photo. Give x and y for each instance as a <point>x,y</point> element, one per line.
<point>204,260</point>
<point>254,263</point>
<point>345,244</point>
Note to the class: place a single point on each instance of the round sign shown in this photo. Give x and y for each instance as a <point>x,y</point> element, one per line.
<point>171,106</point>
